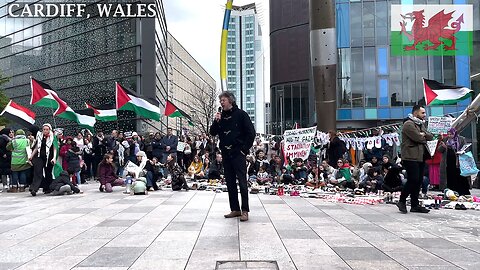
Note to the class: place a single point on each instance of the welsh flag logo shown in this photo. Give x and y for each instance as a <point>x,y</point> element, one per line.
<point>445,30</point>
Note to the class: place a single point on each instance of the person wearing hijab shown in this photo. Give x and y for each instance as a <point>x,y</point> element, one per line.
<point>5,156</point>
<point>43,158</point>
<point>450,166</point>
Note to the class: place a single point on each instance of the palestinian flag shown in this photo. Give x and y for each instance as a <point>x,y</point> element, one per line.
<point>104,113</point>
<point>125,100</point>
<point>442,30</point>
<point>440,94</point>
<point>18,114</point>
<point>173,111</point>
<point>57,168</point>
<point>44,96</point>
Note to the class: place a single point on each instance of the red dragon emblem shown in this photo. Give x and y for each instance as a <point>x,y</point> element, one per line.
<point>434,34</point>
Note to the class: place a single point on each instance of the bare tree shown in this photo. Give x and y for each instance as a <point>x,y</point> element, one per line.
<point>203,106</point>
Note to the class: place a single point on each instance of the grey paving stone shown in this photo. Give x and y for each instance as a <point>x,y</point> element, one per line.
<point>361,253</point>
<point>262,265</point>
<point>297,234</point>
<point>258,219</point>
<point>113,256</point>
<point>184,226</point>
<point>138,209</point>
<point>313,213</point>
<point>169,202</point>
<point>231,265</point>
<point>117,223</point>
<point>273,202</point>
<point>126,202</point>
<point>365,227</point>
<point>7,217</point>
<point>367,265</point>
<point>432,243</point>
<point>79,210</point>
<point>329,206</point>
<point>219,242</point>
<point>376,218</point>
<point>9,266</point>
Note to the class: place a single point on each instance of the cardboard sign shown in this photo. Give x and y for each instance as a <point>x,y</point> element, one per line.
<point>439,125</point>
<point>298,142</point>
<point>432,146</point>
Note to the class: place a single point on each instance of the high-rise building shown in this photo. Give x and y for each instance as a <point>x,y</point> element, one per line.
<point>373,86</point>
<point>245,63</point>
<point>190,88</point>
<point>82,58</point>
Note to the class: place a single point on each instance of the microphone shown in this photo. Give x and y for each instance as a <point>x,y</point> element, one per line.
<point>220,111</point>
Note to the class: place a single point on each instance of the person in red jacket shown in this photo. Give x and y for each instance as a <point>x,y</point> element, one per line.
<point>434,168</point>
<point>64,151</point>
<point>106,174</point>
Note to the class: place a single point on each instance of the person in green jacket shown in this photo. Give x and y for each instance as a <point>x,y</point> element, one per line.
<point>20,147</point>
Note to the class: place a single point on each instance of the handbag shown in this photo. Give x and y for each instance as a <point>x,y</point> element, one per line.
<point>468,166</point>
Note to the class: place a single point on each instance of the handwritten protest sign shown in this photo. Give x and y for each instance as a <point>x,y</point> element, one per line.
<point>439,125</point>
<point>432,146</point>
<point>298,142</point>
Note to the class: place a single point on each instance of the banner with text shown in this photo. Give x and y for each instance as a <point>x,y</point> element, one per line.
<point>298,142</point>
<point>439,125</point>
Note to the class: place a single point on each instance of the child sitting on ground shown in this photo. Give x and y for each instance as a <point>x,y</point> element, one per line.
<point>263,177</point>
<point>300,172</point>
<point>373,181</point>
<point>62,184</point>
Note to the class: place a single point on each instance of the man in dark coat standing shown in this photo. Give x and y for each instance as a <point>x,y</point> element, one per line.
<point>170,143</point>
<point>414,151</point>
<point>236,132</point>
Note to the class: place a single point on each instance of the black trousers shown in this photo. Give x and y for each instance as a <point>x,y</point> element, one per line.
<point>236,168</point>
<point>38,180</point>
<point>415,170</point>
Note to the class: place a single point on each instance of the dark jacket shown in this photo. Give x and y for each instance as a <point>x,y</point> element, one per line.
<point>99,147</point>
<point>5,155</point>
<point>216,168</point>
<point>413,147</point>
<point>63,179</point>
<point>73,160</point>
<point>157,148</point>
<point>335,151</point>
<point>171,141</point>
<point>443,164</point>
<point>106,173</point>
<point>236,132</point>
<point>393,179</point>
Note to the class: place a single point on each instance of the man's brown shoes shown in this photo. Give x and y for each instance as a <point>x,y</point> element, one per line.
<point>233,214</point>
<point>244,216</point>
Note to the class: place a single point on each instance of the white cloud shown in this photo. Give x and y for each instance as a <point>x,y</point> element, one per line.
<point>197,25</point>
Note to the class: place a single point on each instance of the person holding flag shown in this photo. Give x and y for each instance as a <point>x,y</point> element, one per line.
<point>43,157</point>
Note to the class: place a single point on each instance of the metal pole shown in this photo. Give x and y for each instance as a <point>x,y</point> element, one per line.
<point>323,53</point>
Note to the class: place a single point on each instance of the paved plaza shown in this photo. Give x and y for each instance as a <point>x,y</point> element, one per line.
<point>186,230</point>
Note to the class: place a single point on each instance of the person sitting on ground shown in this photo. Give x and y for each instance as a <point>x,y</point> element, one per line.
<point>195,167</point>
<point>62,184</point>
<point>217,171</point>
<point>203,174</point>
<point>376,163</point>
<point>260,160</point>
<point>251,170</point>
<point>342,176</point>
<point>106,174</point>
<point>299,171</point>
<point>286,176</point>
<point>373,181</point>
<point>315,178</point>
<point>275,169</point>
<point>328,169</point>
<point>178,180</point>
<point>263,177</point>
<point>147,167</point>
<point>393,180</point>
<point>364,170</point>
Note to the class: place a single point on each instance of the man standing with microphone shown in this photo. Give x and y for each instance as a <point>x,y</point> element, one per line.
<point>236,133</point>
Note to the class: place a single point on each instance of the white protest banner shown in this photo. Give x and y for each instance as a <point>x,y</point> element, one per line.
<point>180,146</point>
<point>439,125</point>
<point>298,142</point>
<point>432,146</point>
